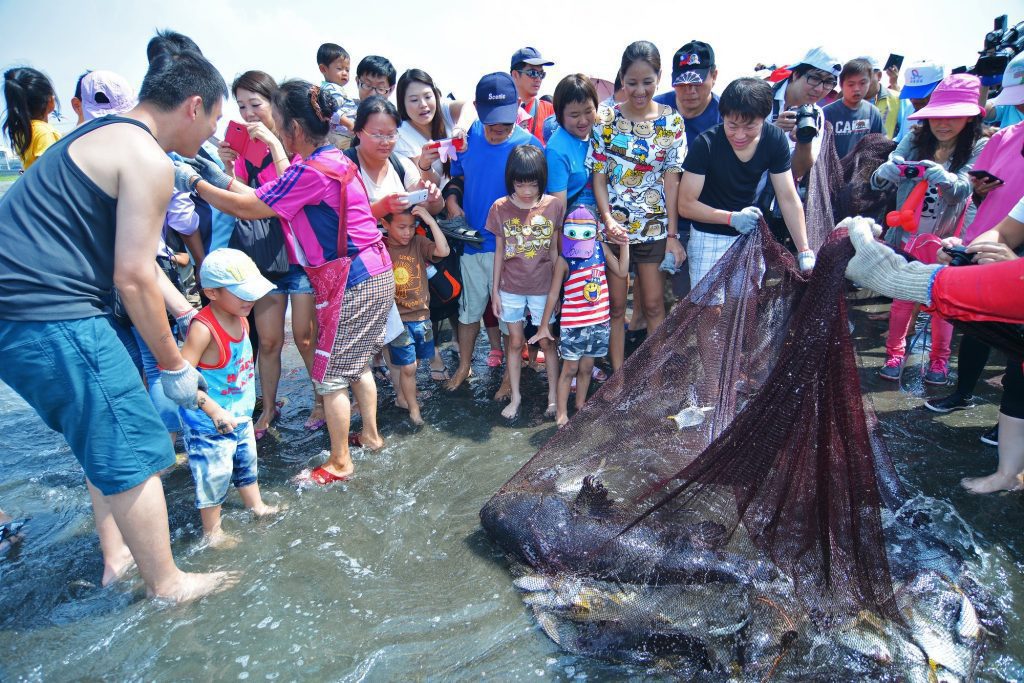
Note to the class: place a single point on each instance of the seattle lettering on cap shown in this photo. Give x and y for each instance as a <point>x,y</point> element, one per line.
<point>492,96</point>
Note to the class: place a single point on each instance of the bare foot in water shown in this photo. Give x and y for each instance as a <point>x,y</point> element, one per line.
<point>400,402</point>
<point>993,483</point>
<point>552,410</point>
<point>562,420</point>
<point>460,376</point>
<point>116,568</point>
<point>414,415</point>
<point>191,586</point>
<point>511,411</point>
<point>504,392</point>
<point>221,540</point>
<point>264,510</point>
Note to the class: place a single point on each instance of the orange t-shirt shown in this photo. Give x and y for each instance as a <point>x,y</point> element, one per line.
<point>535,126</point>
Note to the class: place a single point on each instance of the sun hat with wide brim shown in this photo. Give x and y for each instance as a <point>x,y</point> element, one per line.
<point>955,96</point>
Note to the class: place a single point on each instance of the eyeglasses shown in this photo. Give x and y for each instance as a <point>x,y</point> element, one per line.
<point>383,138</point>
<point>380,91</point>
<point>533,73</point>
<point>814,81</point>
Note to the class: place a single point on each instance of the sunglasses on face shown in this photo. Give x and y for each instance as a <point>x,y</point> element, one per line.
<point>533,73</point>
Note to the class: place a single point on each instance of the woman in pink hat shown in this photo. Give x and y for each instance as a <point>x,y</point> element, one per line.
<point>939,151</point>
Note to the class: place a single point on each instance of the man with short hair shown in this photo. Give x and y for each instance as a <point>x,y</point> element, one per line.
<point>528,74</point>
<point>375,75</point>
<point>887,101</point>
<point>693,77</point>
<point>83,219</point>
<point>852,117</point>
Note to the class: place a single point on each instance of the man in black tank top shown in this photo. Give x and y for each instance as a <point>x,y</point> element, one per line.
<point>84,218</point>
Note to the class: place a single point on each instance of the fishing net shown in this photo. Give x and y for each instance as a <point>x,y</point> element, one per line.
<point>723,506</point>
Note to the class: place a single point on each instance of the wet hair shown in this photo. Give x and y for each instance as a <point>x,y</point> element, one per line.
<point>640,51</point>
<point>573,89</point>
<point>306,104</point>
<point>855,67</point>
<point>437,127</point>
<point>927,144</point>
<point>375,65</point>
<point>747,99</point>
<point>328,53</point>
<point>28,94</point>
<point>169,41</point>
<point>526,164</point>
<point>375,104</point>
<point>178,70</point>
<point>259,82</point>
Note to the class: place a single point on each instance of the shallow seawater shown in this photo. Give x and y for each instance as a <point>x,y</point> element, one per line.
<point>386,577</point>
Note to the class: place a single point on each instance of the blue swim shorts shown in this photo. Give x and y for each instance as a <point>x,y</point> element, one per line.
<point>591,341</point>
<point>217,460</point>
<point>416,342</point>
<point>77,375</point>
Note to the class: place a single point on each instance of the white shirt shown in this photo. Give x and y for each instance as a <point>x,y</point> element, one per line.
<point>410,141</point>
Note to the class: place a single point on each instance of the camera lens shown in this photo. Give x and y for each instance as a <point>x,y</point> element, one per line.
<point>911,172</point>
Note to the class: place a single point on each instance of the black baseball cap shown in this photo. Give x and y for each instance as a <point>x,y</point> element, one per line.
<point>529,55</point>
<point>692,63</point>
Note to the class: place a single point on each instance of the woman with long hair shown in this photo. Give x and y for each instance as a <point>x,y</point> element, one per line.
<point>940,151</point>
<point>30,100</point>
<point>427,117</point>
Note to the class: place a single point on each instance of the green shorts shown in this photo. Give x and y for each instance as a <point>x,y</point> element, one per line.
<point>77,375</point>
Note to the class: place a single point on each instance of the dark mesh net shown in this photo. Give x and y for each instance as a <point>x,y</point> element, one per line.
<point>723,505</point>
<point>854,194</point>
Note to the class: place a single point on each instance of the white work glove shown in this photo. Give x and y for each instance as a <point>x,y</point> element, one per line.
<point>182,385</point>
<point>936,175</point>
<point>806,261</point>
<point>746,221</point>
<point>182,321</point>
<point>890,170</point>
<point>881,269</point>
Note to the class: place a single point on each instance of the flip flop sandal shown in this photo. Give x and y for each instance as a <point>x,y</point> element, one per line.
<point>494,358</point>
<point>598,375</point>
<point>312,425</point>
<point>354,440</point>
<point>323,477</point>
<point>260,433</point>
<point>440,375</point>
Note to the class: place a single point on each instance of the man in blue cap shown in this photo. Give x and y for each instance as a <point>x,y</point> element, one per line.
<point>480,172</point>
<point>528,74</point>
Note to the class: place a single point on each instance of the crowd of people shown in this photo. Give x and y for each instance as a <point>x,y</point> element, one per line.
<point>379,212</point>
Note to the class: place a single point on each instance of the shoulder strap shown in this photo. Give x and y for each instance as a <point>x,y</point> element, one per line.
<point>396,163</point>
<point>351,171</point>
<point>353,156</point>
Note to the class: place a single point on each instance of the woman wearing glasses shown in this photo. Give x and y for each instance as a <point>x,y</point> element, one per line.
<point>636,158</point>
<point>310,195</point>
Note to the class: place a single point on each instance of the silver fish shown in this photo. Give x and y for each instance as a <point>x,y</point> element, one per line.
<point>690,416</point>
<point>532,583</point>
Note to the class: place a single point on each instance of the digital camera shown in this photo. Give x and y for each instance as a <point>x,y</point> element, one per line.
<point>958,255</point>
<point>806,123</point>
<point>911,170</point>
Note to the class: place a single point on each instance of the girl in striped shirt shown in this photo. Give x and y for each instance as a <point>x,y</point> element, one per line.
<point>585,316</point>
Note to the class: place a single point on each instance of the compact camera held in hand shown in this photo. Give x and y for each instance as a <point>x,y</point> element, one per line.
<point>959,255</point>
<point>911,170</point>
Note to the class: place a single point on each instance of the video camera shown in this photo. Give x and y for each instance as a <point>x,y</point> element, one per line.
<point>1002,44</point>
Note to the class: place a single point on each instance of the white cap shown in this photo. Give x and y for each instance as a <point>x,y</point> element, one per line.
<point>920,79</point>
<point>1013,83</point>
<point>819,58</point>
<point>104,93</point>
<point>876,64</point>
<point>236,272</point>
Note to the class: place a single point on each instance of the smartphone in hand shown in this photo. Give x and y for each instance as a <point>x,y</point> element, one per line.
<point>985,176</point>
<point>417,197</point>
<point>253,151</point>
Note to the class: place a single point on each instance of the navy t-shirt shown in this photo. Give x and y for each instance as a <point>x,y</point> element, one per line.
<point>850,125</point>
<point>731,184</point>
<point>706,120</point>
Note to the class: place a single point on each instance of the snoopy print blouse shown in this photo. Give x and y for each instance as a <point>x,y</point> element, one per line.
<point>635,156</point>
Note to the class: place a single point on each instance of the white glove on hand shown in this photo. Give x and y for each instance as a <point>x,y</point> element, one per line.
<point>936,175</point>
<point>806,261</point>
<point>182,385</point>
<point>890,171</point>
<point>881,269</point>
<point>746,221</point>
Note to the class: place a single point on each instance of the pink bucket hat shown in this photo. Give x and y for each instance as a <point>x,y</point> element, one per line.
<point>955,96</point>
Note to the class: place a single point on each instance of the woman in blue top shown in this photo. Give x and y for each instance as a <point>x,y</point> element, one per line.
<point>576,105</point>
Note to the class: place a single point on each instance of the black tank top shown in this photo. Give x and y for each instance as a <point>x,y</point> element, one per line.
<point>57,232</point>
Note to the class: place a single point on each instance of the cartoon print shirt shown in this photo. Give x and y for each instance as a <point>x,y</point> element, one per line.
<point>409,264</point>
<point>635,156</point>
<point>527,267</point>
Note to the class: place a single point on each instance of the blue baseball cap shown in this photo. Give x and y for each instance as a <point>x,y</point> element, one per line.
<point>920,79</point>
<point>497,100</point>
<point>531,56</point>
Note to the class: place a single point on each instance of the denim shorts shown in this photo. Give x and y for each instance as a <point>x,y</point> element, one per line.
<point>217,460</point>
<point>415,343</point>
<point>77,375</point>
<point>514,307</point>
<point>295,282</point>
<point>590,341</point>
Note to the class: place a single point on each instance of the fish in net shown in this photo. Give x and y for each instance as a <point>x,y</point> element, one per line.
<point>724,507</point>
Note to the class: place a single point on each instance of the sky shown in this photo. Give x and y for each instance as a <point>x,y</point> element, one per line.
<point>457,41</point>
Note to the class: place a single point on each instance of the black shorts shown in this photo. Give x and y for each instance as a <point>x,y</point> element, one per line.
<point>643,252</point>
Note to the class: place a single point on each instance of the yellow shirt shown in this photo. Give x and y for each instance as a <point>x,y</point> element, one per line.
<point>888,103</point>
<point>43,135</point>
